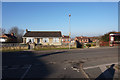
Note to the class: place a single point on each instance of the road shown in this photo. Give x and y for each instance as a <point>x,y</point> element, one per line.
<point>75,63</point>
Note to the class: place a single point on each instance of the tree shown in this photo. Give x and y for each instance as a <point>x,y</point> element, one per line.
<point>17,32</point>
<point>2,31</point>
<point>105,37</point>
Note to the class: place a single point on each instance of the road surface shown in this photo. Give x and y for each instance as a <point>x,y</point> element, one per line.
<point>75,63</point>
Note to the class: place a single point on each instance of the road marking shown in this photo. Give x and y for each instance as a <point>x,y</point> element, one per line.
<point>98,66</point>
<point>15,67</point>
<point>103,68</point>
<point>25,66</point>
<point>25,72</point>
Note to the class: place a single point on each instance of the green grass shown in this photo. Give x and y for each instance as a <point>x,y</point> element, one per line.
<point>12,50</point>
<point>39,49</point>
<point>52,48</point>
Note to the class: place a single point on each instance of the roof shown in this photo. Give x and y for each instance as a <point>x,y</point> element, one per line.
<point>93,37</point>
<point>82,37</point>
<point>43,34</point>
<point>8,35</point>
<point>65,36</point>
<point>114,34</point>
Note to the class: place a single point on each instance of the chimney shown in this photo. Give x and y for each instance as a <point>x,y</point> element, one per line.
<point>12,34</point>
<point>26,30</point>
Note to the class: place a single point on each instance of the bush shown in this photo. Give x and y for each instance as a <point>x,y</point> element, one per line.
<point>93,44</point>
<point>88,45</point>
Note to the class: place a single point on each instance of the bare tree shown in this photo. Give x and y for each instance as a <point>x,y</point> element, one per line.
<point>2,31</point>
<point>17,32</point>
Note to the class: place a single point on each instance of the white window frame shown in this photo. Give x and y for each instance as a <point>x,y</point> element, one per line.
<point>32,40</point>
<point>56,40</point>
<point>47,40</point>
<point>112,38</point>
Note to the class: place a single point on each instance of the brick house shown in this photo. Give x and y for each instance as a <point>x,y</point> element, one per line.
<point>93,39</point>
<point>86,39</point>
<point>65,39</point>
<point>8,38</point>
<point>43,37</point>
<point>82,39</point>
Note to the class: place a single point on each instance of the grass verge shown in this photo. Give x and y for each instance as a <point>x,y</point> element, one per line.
<point>52,48</point>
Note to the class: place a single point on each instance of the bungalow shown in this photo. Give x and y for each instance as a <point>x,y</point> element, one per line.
<point>8,38</point>
<point>43,37</point>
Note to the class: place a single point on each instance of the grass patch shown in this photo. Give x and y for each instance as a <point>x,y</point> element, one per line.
<point>36,49</point>
<point>52,48</point>
<point>12,50</point>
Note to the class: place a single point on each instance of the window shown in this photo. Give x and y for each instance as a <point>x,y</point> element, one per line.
<point>117,38</point>
<point>31,40</point>
<point>55,39</point>
<point>112,38</point>
<point>45,40</point>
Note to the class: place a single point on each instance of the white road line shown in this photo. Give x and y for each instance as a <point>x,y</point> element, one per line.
<point>13,68</point>
<point>98,66</point>
<point>103,68</point>
<point>25,72</point>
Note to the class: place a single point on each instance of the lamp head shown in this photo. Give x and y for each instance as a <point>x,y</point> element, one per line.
<point>69,15</point>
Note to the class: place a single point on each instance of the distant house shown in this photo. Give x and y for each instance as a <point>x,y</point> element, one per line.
<point>8,38</point>
<point>86,39</point>
<point>82,39</point>
<point>65,39</point>
<point>93,39</point>
<point>43,37</point>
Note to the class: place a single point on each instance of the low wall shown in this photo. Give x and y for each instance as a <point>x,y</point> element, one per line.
<point>19,46</point>
<point>13,46</point>
<point>53,46</point>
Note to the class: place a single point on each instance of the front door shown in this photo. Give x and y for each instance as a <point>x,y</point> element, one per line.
<point>38,40</point>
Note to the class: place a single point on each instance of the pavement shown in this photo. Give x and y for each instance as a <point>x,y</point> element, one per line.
<point>75,63</point>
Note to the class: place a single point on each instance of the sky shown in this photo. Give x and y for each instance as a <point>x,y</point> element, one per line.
<point>87,18</point>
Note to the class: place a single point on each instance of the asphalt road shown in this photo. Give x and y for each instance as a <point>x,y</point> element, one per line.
<point>55,63</point>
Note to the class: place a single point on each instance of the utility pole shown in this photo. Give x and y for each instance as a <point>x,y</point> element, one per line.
<point>69,30</point>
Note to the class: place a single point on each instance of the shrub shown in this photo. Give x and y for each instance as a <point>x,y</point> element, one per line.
<point>88,45</point>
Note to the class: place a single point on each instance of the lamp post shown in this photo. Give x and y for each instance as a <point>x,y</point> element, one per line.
<point>69,30</point>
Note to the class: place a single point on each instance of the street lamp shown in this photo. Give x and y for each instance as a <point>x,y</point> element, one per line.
<point>69,30</point>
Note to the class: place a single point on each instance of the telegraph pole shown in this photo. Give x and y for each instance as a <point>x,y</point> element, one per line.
<point>69,30</point>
